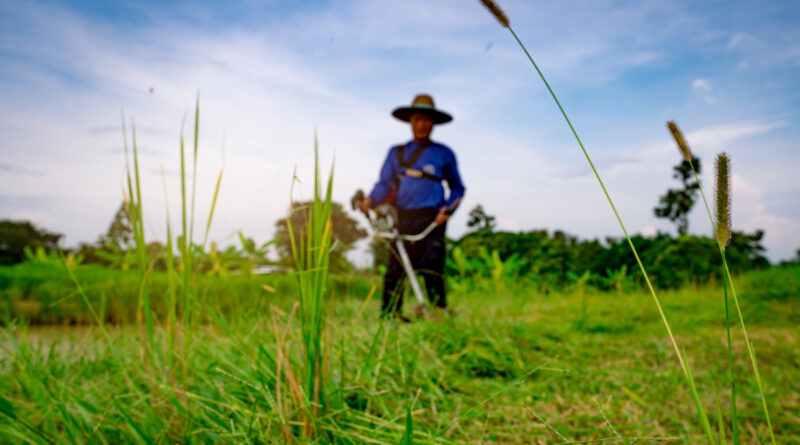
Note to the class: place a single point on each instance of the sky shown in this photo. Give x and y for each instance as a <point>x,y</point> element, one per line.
<point>270,75</point>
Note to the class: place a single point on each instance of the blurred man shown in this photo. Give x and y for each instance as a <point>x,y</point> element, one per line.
<point>411,179</point>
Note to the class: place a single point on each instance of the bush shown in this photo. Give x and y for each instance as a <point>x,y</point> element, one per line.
<point>777,283</point>
<point>45,293</point>
<point>556,258</point>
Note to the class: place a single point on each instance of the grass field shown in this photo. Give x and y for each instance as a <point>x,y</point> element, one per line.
<point>511,367</point>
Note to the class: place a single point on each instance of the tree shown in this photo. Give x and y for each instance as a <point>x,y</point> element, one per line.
<point>120,231</point>
<point>480,221</point>
<point>15,236</point>
<point>345,234</point>
<point>111,247</point>
<point>676,203</point>
<point>745,252</point>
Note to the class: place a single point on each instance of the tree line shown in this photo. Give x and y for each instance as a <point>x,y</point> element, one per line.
<point>551,257</point>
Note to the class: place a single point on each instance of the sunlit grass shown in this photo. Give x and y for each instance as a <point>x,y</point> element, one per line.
<point>504,361</point>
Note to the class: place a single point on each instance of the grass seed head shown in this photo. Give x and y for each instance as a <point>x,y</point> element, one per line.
<point>683,147</point>
<point>723,209</point>
<point>496,12</point>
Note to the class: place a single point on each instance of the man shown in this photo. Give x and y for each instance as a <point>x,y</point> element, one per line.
<point>411,177</point>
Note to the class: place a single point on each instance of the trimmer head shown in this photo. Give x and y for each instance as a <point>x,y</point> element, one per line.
<point>385,217</point>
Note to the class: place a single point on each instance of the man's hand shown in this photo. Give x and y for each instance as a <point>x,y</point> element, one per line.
<point>365,204</point>
<point>442,216</point>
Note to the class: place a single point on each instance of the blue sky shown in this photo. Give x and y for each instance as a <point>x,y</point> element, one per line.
<point>270,72</point>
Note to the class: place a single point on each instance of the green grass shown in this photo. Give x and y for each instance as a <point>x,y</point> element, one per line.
<point>505,366</point>
<point>44,294</point>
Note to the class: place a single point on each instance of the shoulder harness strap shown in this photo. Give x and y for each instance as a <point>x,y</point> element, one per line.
<point>405,165</point>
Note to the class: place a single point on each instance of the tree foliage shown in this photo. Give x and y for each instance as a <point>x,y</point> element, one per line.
<point>479,220</point>
<point>120,231</point>
<point>15,236</point>
<point>676,204</point>
<point>345,234</point>
<point>556,258</point>
<point>113,248</point>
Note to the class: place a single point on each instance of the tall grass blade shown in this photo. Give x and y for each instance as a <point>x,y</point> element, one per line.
<point>172,312</point>
<point>194,164</point>
<point>727,273</point>
<point>311,254</point>
<point>408,434</point>
<point>720,421</point>
<point>185,248</point>
<point>137,223</point>
<point>734,417</point>
<point>141,436</point>
<point>213,206</point>
<point>7,409</point>
<point>697,403</point>
<point>683,364</point>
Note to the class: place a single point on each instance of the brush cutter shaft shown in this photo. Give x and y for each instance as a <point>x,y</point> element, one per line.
<point>412,277</point>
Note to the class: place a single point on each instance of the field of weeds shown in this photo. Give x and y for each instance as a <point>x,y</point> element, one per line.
<point>513,367</point>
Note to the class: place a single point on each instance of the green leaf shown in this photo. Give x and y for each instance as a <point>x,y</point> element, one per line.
<point>7,408</point>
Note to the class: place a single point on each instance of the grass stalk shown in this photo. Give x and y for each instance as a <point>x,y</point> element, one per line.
<point>194,167</point>
<point>686,152</point>
<point>187,249</point>
<point>186,258</point>
<point>171,313</point>
<point>720,420</point>
<point>722,233</point>
<point>311,253</point>
<point>137,222</point>
<point>734,417</point>
<point>493,8</point>
<point>213,203</point>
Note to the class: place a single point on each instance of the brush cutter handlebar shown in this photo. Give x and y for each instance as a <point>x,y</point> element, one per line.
<point>383,220</point>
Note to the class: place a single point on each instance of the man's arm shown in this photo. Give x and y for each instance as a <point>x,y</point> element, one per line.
<point>453,178</point>
<point>383,187</point>
<point>457,189</point>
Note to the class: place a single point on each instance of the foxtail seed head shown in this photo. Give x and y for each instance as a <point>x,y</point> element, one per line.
<point>496,12</point>
<point>723,166</point>
<point>683,147</point>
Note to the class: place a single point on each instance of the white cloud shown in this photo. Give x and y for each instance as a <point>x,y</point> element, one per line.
<point>701,85</point>
<point>649,231</point>
<point>737,40</point>
<point>749,213</point>
<point>508,224</point>
<point>702,88</point>
<point>264,90</point>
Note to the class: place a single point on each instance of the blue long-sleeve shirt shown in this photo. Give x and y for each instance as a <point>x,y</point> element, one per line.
<point>417,193</point>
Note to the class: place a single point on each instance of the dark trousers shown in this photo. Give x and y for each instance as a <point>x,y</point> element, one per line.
<point>427,258</point>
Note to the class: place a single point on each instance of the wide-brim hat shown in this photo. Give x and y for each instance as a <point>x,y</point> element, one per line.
<point>423,103</point>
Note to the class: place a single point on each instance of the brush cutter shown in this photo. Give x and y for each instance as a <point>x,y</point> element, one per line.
<point>383,220</point>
